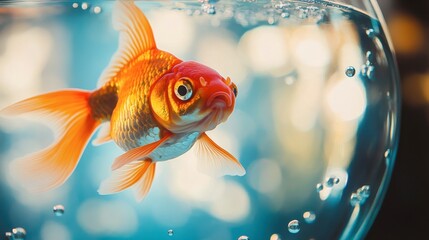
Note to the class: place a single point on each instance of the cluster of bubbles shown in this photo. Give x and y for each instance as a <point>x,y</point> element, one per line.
<point>329,183</point>
<point>294,225</point>
<point>18,233</point>
<point>248,12</point>
<point>367,69</point>
<point>309,217</point>
<point>85,6</point>
<point>360,196</point>
<point>207,6</point>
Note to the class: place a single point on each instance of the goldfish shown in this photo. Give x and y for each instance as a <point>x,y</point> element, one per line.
<point>152,104</point>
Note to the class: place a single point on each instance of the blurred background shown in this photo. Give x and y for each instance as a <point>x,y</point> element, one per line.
<point>404,212</point>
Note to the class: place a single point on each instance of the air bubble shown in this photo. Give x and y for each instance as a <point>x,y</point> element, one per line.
<point>211,10</point>
<point>370,33</point>
<point>360,196</point>
<point>369,56</point>
<point>370,72</point>
<point>302,12</point>
<point>18,233</point>
<point>8,236</point>
<point>58,210</point>
<point>355,199</point>
<point>97,9</point>
<point>170,232</point>
<point>364,191</point>
<point>75,5</point>
<point>293,226</point>
<point>323,17</point>
<point>243,238</point>
<point>319,187</point>
<point>313,10</point>
<point>309,217</point>
<point>387,153</point>
<point>350,71</point>
<point>330,182</point>
<point>275,236</point>
<point>289,80</point>
<point>279,5</point>
<point>364,70</point>
<point>285,14</point>
<point>208,8</point>
<point>84,6</point>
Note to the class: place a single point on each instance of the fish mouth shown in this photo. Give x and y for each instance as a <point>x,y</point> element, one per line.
<point>214,118</point>
<point>219,100</point>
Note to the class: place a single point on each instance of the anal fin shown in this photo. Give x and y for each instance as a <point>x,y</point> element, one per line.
<point>144,184</point>
<point>139,174</point>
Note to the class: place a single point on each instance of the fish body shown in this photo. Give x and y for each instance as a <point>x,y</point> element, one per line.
<point>150,103</point>
<point>128,110</point>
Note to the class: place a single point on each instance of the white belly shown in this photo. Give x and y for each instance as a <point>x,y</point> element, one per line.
<point>174,148</point>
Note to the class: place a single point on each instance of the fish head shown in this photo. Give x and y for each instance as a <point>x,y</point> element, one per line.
<point>192,97</point>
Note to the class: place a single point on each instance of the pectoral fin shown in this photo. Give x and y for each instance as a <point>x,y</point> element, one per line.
<point>215,160</point>
<point>138,153</point>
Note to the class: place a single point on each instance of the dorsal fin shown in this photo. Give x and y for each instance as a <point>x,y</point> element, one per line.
<point>135,37</point>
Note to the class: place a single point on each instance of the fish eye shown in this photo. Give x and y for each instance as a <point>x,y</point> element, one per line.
<point>234,89</point>
<point>183,89</point>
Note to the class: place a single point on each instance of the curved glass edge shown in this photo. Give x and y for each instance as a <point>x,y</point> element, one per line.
<point>373,212</point>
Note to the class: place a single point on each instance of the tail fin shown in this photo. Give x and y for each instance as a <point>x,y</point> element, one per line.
<point>138,173</point>
<point>70,114</point>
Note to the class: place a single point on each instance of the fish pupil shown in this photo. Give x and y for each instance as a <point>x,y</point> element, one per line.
<point>182,90</point>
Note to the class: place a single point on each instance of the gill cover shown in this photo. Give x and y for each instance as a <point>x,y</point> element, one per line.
<point>174,99</point>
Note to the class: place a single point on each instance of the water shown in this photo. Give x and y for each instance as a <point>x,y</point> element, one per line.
<point>299,121</point>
